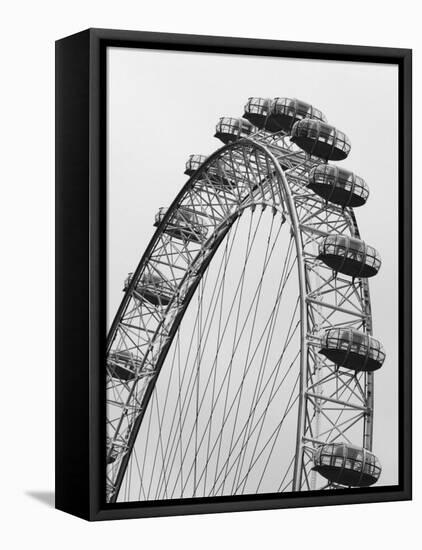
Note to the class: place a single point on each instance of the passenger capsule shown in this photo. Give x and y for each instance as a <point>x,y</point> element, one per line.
<point>182,225</point>
<point>349,256</point>
<point>193,163</point>
<point>123,365</point>
<point>338,186</point>
<point>286,112</point>
<point>347,465</point>
<point>152,288</point>
<point>352,349</point>
<point>218,171</point>
<point>258,112</point>
<point>231,129</point>
<point>320,139</point>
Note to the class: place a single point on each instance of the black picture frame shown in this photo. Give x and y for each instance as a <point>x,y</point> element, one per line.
<point>81,275</point>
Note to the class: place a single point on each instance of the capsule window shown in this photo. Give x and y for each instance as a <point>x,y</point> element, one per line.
<point>316,113</point>
<point>338,461</point>
<point>313,131</point>
<point>348,185</point>
<point>344,344</point>
<point>340,240</point>
<point>291,108</point>
<point>258,105</point>
<point>328,137</point>
<point>338,450</point>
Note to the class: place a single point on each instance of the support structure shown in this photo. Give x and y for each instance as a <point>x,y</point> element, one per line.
<point>263,169</point>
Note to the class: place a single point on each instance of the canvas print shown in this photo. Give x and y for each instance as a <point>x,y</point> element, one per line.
<point>252,275</point>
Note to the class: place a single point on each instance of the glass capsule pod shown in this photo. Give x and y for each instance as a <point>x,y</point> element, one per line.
<point>231,129</point>
<point>352,349</point>
<point>193,163</point>
<point>123,365</point>
<point>258,112</point>
<point>349,256</point>
<point>216,171</point>
<point>320,139</point>
<point>347,465</point>
<point>183,225</point>
<point>152,288</point>
<point>338,186</point>
<point>285,112</point>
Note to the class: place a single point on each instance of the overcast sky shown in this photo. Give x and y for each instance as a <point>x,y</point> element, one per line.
<point>163,106</point>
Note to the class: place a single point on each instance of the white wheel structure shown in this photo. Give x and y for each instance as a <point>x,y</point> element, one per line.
<point>241,360</point>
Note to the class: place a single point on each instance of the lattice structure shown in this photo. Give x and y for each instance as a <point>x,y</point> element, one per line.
<point>266,171</point>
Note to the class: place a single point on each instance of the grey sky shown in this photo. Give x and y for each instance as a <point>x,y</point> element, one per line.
<point>163,106</point>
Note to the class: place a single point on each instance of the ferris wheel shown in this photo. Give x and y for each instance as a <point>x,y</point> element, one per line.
<point>241,359</point>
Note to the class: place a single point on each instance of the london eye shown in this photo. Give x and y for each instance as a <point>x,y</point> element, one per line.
<point>242,359</point>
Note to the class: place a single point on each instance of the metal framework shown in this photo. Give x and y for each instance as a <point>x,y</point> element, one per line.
<point>332,404</point>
